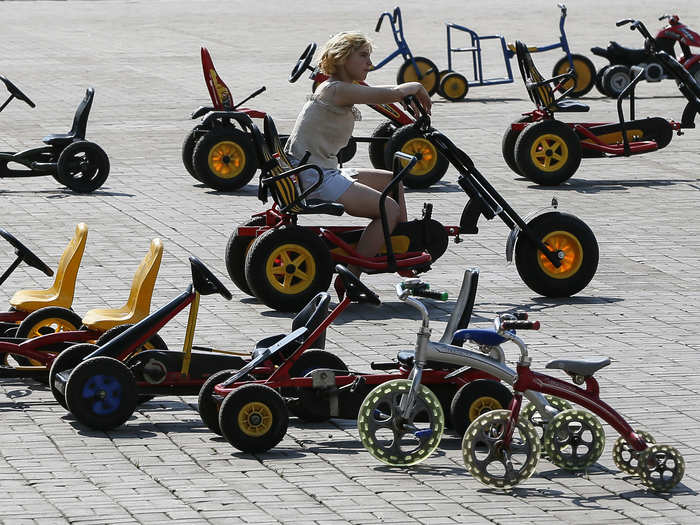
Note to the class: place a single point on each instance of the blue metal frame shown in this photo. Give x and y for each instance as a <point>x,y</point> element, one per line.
<point>401,46</point>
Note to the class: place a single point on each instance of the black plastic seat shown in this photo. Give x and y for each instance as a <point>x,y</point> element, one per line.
<point>626,55</point>
<point>406,357</point>
<point>568,106</point>
<point>77,131</point>
<point>582,367</point>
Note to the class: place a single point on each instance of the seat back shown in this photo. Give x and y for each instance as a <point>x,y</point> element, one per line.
<point>139,302</point>
<point>63,286</point>
<point>311,317</point>
<point>538,88</point>
<point>81,114</point>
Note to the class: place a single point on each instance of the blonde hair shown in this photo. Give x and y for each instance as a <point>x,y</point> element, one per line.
<point>339,48</point>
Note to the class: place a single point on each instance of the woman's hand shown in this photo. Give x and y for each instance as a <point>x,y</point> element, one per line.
<point>420,93</point>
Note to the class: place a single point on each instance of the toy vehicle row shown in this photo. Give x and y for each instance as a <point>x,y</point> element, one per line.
<point>454,86</point>
<point>502,447</point>
<point>617,74</point>
<point>284,264</point>
<point>548,151</point>
<point>74,162</point>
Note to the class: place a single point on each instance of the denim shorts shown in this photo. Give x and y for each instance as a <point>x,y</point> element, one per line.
<point>336,181</point>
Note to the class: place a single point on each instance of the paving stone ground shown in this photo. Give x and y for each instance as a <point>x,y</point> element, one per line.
<point>142,58</point>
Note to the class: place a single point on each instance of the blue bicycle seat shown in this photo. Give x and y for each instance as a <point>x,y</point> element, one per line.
<point>479,336</point>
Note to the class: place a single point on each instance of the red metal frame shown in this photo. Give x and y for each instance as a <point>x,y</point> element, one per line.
<point>37,348</point>
<point>13,316</point>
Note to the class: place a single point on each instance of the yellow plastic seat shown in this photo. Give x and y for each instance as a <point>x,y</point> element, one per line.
<point>63,288</point>
<point>139,303</point>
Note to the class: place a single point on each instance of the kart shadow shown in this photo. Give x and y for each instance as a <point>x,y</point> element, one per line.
<point>62,193</point>
<point>485,99</point>
<point>247,191</point>
<point>597,186</point>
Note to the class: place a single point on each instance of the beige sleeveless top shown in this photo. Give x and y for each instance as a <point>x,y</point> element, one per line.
<point>322,128</point>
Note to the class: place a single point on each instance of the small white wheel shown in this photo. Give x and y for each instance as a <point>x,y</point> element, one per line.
<point>625,457</point>
<point>661,467</point>
<point>574,439</point>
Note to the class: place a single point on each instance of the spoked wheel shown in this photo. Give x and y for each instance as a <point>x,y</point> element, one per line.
<point>488,458</point>
<point>585,74</point>
<point>625,457</point>
<point>67,360</point>
<point>224,159</point>
<point>188,152</point>
<point>311,404</point>
<point>285,267</point>
<point>453,87</point>
<point>48,320</point>
<point>548,152</point>
<point>431,165</point>
<point>535,418</point>
<point>615,79</point>
<point>207,407</point>
<point>508,145</point>
<point>82,166</point>
<point>576,248</point>
<point>395,440</point>
<point>574,439</point>
<point>253,418</point>
<point>429,71</point>
<point>236,252</point>
<point>661,467</point>
<point>477,398</point>
<point>376,149</point>
<point>101,393</point>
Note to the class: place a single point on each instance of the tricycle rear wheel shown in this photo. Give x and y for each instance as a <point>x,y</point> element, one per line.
<point>428,69</point>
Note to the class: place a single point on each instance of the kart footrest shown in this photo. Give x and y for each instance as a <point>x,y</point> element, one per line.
<point>30,372</point>
<point>635,148</point>
<point>43,166</point>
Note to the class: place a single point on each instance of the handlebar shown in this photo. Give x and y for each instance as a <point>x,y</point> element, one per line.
<point>520,325</point>
<point>419,288</point>
<point>639,26</point>
<point>563,9</point>
<point>392,18</point>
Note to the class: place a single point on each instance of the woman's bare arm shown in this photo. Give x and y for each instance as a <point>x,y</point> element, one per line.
<point>347,94</point>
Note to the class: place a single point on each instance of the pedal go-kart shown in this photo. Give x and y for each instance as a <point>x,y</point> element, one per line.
<point>217,152</point>
<point>455,86</point>
<point>615,76</point>
<point>74,162</point>
<point>54,302</point>
<point>33,355</point>
<point>548,151</point>
<point>390,136</point>
<point>285,264</point>
<point>501,448</point>
<point>253,409</point>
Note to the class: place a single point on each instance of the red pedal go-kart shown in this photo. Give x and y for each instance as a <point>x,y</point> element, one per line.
<point>284,264</point>
<point>74,162</point>
<point>548,151</point>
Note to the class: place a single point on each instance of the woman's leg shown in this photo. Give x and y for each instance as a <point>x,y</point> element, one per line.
<point>380,179</point>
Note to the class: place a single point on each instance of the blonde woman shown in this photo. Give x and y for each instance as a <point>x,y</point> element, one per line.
<point>325,125</point>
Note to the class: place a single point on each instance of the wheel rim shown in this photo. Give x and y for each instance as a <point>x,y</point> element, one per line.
<point>255,419</point>
<point>104,393</point>
<point>482,405</point>
<point>583,74</point>
<point>454,87</point>
<point>424,151</point>
<point>50,326</point>
<point>571,253</point>
<point>574,439</point>
<point>227,159</point>
<point>625,457</point>
<point>619,81</point>
<point>428,81</point>
<point>661,467</point>
<point>549,152</point>
<point>290,268</point>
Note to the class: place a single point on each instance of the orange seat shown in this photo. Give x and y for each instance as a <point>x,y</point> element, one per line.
<point>139,303</point>
<point>63,288</point>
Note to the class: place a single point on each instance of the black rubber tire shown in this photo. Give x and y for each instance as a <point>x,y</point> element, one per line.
<point>67,359</point>
<point>188,153</point>
<point>82,166</point>
<point>431,74</point>
<point>473,395</point>
<point>508,145</point>
<point>231,407</point>
<point>102,375</point>
<point>427,171</point>
<point>231,137</point>
<point>453,87</point>
<point>694,71</point>
<point>584,69</point>
<point>568,144</point>
<point>206,406</point>
<point>236,251</point>
<point>35,321</point>
<point>312,405</point>
<point>599,80</point>
<point>532,271</point>
<point>615,79</point>
<point>316,264</point>
<point>376,149</point>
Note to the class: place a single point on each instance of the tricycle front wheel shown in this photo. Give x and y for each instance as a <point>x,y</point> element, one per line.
<point>429,72</point>
<point>585,74</point>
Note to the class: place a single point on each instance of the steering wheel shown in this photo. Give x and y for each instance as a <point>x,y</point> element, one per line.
<point>26,254</point>
<point>303,62</point>
<point>205,282</point>
<point>16,92</point>
<point>356,290</point>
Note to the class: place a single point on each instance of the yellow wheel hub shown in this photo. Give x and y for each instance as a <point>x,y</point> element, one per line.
<point>569,245</point>
<point>424,151</point>
<point>454,87</point>
<point>290,268</point>
<point>428,81</point>
<point>53,324</point>
<point>482,405</point>
<point>583,74</point>
<point>227,159</point>
<point>255,419</point>
<point>549,152</point>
